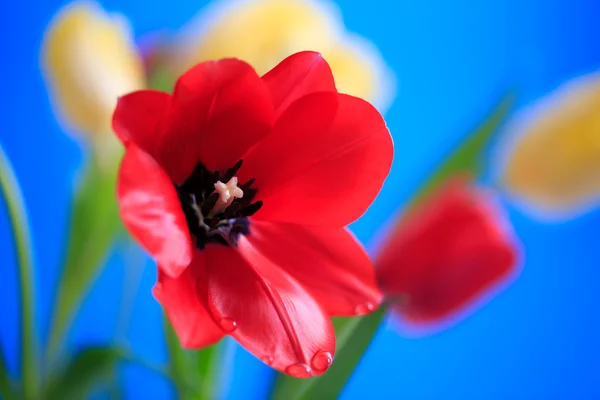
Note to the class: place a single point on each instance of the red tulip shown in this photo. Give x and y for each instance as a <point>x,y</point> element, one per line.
<point>445,255</point>
<point>241,187</point>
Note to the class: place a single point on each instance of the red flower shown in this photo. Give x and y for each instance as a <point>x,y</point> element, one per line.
<point>240,187</point>
<point>445,255</point>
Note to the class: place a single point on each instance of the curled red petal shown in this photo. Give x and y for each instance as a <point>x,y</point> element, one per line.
<point>328,262</point>
<point>267,311</point>
<point>150,208</point>
<point>324,163</point>
<point>296,76</point>
<point>139,116</point>
<point>220,109</point>
<point>194,327</point>
<point>446,255</point>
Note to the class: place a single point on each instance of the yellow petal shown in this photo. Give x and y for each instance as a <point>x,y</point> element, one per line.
<point>263,32</point>
<point>554,161</point>
<point>360,71</point>
<point>89,59</point>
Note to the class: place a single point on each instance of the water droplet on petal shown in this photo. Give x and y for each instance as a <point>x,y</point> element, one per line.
<point>322,360</point>
<point>267,360</point>
<point>362,309</point>
<point>299,371</point>
<point>227,324</point>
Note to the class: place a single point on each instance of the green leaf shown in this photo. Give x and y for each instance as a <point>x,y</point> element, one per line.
<point>466,159</point>
<point>94,223</point>
<point>12,196</point>
<point>354,335</point>
<point>193,372</point>
<point>83,373</point>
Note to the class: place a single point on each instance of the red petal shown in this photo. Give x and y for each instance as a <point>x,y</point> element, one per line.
<point>178,296</point>
<point>322,165</point>
<point>296,76</point>
<point>150,209</point>
<point>446,255</point>
<point>267,311</point>
<point>138,117</point>
<point>328,262</point>
<point>220,109</point>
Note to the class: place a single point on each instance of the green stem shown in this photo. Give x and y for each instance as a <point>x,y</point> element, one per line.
<point>134,269</point>
<point>93,225</point>
<point>178,360</point>
<point>185,389</point>
<point>6,384</point>
<point>21,241</point>
<point>208,370</point>
<point>114,390</point>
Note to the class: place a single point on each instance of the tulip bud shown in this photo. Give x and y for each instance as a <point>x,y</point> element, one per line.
<point>89,59</point>
<point>445,255</point>
<point>262,32</point>
<point>553,161</point>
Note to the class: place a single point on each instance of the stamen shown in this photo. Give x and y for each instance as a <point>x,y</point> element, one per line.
<point>209,203</point>
<point>232,171</point>
<point>217,212</point>
<point>227,193</point>
<point>252,209</point>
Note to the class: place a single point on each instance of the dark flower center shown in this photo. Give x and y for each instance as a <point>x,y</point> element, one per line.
<point>213,214</point>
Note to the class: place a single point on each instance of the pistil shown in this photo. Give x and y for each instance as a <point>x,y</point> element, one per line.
<point>227,193</point>
<point>217,209</point>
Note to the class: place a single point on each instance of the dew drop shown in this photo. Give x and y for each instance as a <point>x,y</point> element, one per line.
<point>299,371</point>
<point>322,360</point>
<point>365,308</point>
<point>227,324</point>
<point>267,360</point>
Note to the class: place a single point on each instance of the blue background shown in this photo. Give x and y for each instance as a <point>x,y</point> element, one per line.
<point>538,339</point>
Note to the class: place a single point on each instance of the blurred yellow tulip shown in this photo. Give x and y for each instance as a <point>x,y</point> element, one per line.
<point>89,59</point>
<point>263,32</point>
<point>553,163</point>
